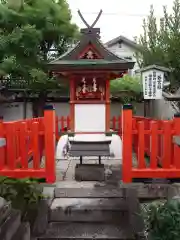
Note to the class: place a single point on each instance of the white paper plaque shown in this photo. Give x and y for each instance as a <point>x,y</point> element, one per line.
<point>152,84</point>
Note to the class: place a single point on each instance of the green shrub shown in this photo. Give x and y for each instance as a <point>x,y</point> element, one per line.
<point>163,220</point>
<point>24,194</point>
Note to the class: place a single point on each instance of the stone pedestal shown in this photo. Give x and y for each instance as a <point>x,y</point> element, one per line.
<point>90,172</point>
<point>11,227</point>
<point>5,208</point>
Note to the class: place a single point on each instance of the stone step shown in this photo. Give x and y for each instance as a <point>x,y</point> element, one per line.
<point>10,225</point>
<point>88,210</point>
<point>5,210</point>
<point>23,232</point>
<point>95,192</point>
<point>63,231</point>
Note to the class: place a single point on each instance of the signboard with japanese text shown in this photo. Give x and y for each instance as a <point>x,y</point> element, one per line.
<point>152,84</point>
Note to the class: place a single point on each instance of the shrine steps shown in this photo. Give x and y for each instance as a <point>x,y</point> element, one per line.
<point>80,211</point>
<point>87,231</point>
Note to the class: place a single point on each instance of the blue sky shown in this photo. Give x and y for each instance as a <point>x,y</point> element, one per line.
<point>120,17</point>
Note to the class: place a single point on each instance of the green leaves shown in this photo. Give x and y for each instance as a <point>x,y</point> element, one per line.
<point>162,220</point>
<point>21,192</point>
<point>128,89</point>
<point>160,41</point>
<point>28,35</point>
<point>127,83</point>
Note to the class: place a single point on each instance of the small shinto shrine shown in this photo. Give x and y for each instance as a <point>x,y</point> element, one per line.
<point>89,67</point>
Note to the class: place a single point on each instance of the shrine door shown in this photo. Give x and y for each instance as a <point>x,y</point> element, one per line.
<point>90,118</point>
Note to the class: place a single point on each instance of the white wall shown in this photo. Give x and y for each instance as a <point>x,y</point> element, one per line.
<point>90,118</point>
<point>14,111</point>
<point>62,109</point>
<point>162,109</point>
<point>124,51</point>
<point>117,107</point>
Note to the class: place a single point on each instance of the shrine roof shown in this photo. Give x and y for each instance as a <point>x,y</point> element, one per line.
<point>153,67</point>
<point>97,64</point>
<point>109,60</point>
<point>90,53</point>
<point>89,38</point>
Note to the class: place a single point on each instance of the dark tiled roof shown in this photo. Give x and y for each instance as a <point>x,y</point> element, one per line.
<point>122,39</point>
<point>91,37</point>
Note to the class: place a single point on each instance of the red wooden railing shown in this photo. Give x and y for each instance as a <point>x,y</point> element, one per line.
<point>63,124</point>
<point>154,137</point>
<point>25,139</point>
<point>147,137</point>
<point>34,138</point>
<point>116,124</point>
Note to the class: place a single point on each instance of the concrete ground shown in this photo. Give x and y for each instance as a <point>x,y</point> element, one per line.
<point>65,169</point>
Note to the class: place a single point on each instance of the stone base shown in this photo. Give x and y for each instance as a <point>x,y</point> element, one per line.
<point>90,172</point>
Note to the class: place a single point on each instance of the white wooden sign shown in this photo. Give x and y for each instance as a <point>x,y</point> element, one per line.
<point>153,81</point>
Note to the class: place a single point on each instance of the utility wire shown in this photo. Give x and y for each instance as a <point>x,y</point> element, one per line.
<point>118,14</point>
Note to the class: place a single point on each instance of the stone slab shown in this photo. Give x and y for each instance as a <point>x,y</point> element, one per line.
<point>89,172</point>
<point>5,209</point>
<point>82,204</point>
<point>23,232</point>
<point>97,216</point>
<point>42,218</point>
<point>95,190</point>
<point>174,191</point>
<point>135,218</point>
<point>88,231</point>
<point>88,210</point>
<point>102,192</point>
<point>11,225</point>
<point>48,192</point>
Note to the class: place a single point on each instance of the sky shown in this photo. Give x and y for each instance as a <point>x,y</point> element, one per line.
<point>120,17</point>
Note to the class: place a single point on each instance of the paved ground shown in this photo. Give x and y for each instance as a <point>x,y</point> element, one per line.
<point>65,168</point>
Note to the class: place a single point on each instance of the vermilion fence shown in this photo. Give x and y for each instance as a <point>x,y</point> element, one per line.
<point>33,138</point>
<point>63,124</point>
<point>116,124</point>
<point>22,140</point>
<point>154,137</point>
<point>147,137</point>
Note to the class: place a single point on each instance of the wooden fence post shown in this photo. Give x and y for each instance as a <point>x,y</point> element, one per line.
<point>127,143</point>
<point>49,132</point>
<point>177,133</point>
<point>2,146</point>
<point>57,128</point>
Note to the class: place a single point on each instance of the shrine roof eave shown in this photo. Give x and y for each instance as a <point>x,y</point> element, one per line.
<point>78,65</point>
<point>153,67</point>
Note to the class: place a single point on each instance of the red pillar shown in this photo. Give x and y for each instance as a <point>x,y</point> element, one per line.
<point>49,128</point>
<point>177,133</point>
<point>107,105</point>
<point>127,143</point>
<point>72,103</point>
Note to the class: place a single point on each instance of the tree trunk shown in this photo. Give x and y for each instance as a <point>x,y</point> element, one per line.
<point>38,105</point>
<point>25,109</point>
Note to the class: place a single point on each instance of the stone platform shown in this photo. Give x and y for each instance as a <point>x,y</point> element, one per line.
<point>65,169</point>
<point>90,172</point>
<point>11,226</point>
